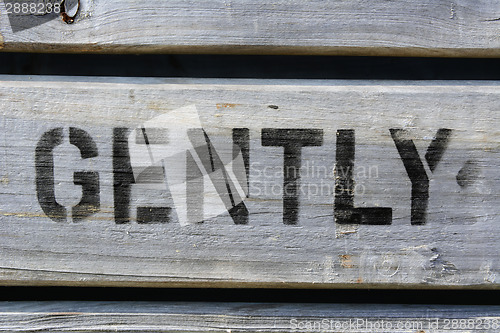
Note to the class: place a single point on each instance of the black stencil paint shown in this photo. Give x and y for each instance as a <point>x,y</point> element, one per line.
<point>44,164</point>
<point>417,174</point>
<point>241,142</point>
<point>89,180</point>
<point>438,147</point>
<point>344,210</point>
<point>89,203</point>
<point>224,187</point>
<point>153,215</point>
<point>84,142</point>
<point>123,176</point>
<point>469,174</point>
<point>292,140</point>
<point>415,168</point>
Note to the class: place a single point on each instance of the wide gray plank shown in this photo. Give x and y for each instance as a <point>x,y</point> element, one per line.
<point>348,27</point>
<point>244,317</point>
<point>79,206</point>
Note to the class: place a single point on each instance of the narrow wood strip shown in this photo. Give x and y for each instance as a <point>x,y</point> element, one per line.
<point>244,317</point>
<point>466,28</point>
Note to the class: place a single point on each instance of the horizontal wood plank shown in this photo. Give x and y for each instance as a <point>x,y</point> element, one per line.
<point>464,28</point>
<point>244,317</point>
<point>298,183</point>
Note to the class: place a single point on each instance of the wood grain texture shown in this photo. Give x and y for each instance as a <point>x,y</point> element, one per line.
<point>459,28</point>
<point>286,242</point>
<point>244,317</point>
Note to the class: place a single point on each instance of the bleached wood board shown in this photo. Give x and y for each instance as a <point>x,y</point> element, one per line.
<point>459,28</point>
<point>449,239</point>
<point>244,317</point>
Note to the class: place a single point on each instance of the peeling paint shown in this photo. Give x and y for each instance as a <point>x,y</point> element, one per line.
<point>345,230</point>
<point>440,268</point>
<point>221,106</point>
<point>489,276</point>
<point>346,261</point>
<point>328,269</point>
<point>155,106</point>
<point>452,11</point>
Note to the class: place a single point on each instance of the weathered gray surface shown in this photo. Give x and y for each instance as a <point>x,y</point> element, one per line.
<point>339,27</point>
<point>457,247</point>
<point>244,317</point>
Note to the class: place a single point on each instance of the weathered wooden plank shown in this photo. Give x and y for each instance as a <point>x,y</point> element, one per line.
<point>244,317</point>
<point>348,27</point>
<point>350,184</point>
